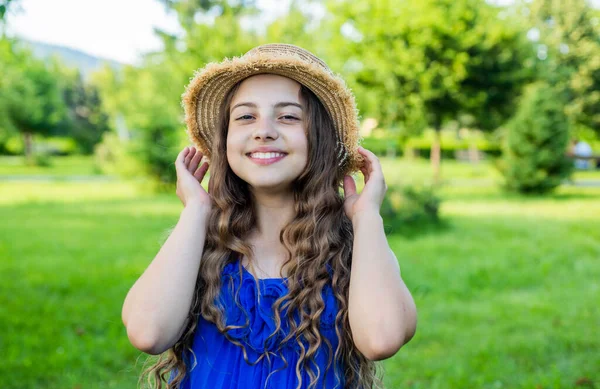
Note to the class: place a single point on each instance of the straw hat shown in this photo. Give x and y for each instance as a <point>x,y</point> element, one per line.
<point>205,93</point>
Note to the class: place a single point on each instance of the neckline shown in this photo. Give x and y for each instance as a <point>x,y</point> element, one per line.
<point>275,279</point>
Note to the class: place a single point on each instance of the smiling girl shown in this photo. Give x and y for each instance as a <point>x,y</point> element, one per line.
<point>273,278</point>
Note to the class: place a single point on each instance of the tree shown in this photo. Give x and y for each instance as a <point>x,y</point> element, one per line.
<point>85,121</point>
<point>30,98</point>
<point>423,64</point>
<point>149,97</point>
<point>534,160</point>
<point>189,11</point>
<point>569,47</point>
<point>5,6</point>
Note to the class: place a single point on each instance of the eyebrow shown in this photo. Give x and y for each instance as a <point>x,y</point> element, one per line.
<point>278,105</point>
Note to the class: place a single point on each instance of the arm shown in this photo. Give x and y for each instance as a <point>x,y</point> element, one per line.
<point>156,308</point>
<point>381,310</point>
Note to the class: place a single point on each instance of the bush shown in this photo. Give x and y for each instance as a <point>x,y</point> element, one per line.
<point>13,145</point>
<point>52,145</point>
<point>411,206</point>
<point>56,145</point>
<point>536,141</point>
<point>381,145</point>
<point>114,157</point>
<point>42,160</point>
<point>148,157</point>
<point>156,149</point>
<point>450,145</point>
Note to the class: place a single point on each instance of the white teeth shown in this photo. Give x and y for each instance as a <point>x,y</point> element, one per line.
<point>266,155</point>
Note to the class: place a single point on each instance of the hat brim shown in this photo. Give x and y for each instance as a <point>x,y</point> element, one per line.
<point>203,98</point>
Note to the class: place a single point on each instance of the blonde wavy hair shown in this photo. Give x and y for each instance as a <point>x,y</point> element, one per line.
<point>319,237</point>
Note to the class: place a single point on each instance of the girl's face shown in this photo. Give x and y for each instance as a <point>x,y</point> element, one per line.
<point>267,145</point>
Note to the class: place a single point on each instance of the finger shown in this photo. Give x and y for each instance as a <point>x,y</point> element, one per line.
<point>201,172</point>
<point>373,164</point>
<point>195,162</point>
<point>180,160</point>
<point>366,163</point>
<point>366,173</point>
<point>370,158</point>
<point>189,156</point>
<point>349,186</point>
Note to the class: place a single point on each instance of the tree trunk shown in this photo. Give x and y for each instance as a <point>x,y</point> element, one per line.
<point>473,153</point>
<point>28,146</point>
<point>436,155</point>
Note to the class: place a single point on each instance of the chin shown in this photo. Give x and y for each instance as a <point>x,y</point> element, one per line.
<point>270,185</point>
<point>270,179</point>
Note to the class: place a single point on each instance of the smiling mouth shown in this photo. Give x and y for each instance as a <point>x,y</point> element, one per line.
<point>269,155</point>
<point>266,158</point>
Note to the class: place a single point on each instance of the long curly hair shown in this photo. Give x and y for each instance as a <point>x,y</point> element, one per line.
<point>319,244</point>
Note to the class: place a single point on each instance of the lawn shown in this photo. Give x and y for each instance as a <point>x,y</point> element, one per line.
<point>59,167</point>
<point>507,291</point>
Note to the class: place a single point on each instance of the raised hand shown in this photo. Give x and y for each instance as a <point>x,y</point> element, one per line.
<point>371,197</point>
<point>189,177</point>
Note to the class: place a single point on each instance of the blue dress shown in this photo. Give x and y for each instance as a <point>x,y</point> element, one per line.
<point>220,364</point>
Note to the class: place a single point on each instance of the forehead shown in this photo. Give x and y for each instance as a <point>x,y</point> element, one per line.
<point>266,89</point>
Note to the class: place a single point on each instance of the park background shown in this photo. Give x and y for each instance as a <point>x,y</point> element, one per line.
<point>471,105</point>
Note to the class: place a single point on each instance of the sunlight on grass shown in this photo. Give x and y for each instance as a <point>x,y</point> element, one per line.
<point>506,291</point>
<point>60,166</point>
<point>32,192</point>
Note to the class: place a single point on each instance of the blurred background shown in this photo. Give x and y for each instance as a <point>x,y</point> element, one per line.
<point>485,114</point>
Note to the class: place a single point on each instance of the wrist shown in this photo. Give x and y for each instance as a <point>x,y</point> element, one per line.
<point>196,208</point>
<point>366,215</point>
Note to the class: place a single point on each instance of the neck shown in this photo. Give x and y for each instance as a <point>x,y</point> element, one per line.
<point>273,212</point>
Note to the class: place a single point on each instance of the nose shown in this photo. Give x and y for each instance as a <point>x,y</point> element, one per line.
<point>265,130</point>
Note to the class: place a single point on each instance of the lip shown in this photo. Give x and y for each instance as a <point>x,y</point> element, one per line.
<point>265,149</point>
<point>266,161</point>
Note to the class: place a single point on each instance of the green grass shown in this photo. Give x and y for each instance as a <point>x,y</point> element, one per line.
<point>418,171</point>
<point>506,292</point>
<point>414,171</point>
<point>59,166</point>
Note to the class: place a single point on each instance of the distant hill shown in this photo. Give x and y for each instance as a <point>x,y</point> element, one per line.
<point>86,63</point>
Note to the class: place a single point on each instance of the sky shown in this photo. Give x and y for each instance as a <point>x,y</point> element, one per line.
<point>113,29</point>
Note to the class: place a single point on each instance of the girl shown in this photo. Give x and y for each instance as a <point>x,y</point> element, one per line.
<point>272,278</point>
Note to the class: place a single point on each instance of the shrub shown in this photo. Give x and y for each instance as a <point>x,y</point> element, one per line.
<point>42,160</point>
<point>411,206</point>
<point>148,157</point>
<point>536,141</point>
<point>383,144</point>
<point>114,157</point>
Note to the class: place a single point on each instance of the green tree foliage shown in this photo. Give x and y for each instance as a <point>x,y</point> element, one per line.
<point>421,64</point>
<point>569,46</point>
<point>30,96</point>
<point>86,121</point>
<point>534,152</point>
<point>190,11</point>
<point>5,6</point>
<point>297,28</point>
<point>149,97</point>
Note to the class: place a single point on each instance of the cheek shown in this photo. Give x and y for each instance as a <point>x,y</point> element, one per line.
<point>232,147</point>
<point>302,143</point>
